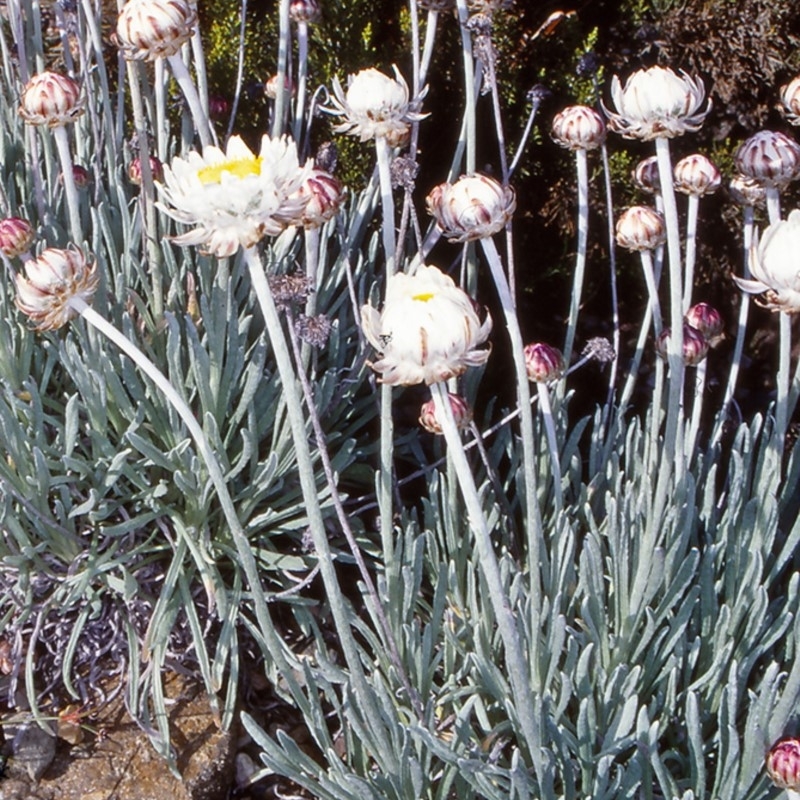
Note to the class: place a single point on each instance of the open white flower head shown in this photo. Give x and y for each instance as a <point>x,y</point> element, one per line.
<point>235,198</point>
<point>150,29</point>
<point>775,264</point>
<point>657,103</point>
<point>50,282</point>
<point>428,331</point>
<point>474,207</point>
<point>375,105</point>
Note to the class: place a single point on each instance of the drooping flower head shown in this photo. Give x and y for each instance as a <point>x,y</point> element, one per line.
<point>696,175</point>
<point>783,764</point>
<point>657,103</point>
<point>375,106</point>
<point>578,128</point>
<point>429,329</point>
<point>462,414</point>
<point>474,207</point>
<point>50,282</point>
<point>151,29</point>
<point>769,157</point>
<point>235,198</point>
<point>775,264</point>
<point>640,228</point>
<point>51,99</point>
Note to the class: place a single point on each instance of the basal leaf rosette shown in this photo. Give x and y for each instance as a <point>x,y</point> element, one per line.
<point>775,266</point>
<point>50,282</point>
<point>235,198</point>
<point>429,329</point>
<point>657,103</point>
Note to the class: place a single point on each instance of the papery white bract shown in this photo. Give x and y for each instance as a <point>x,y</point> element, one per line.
<point>775,265</point>
<point>769,157</point>
<point>657,103</point>
<point>50,282</point>
<point>578,128</point>
<point>429,329</point>
<point>150,29</point>
<point>696,175</point>
<point>375,105</point>
<point>51,99</point>
<point>235,198</point>
<point>640,228</point>
<point>474,207</point>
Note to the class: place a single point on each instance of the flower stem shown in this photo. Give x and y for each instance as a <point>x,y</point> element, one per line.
<point>773,204</point>
<point>469,131</point>
<point>308,485</point>
<point>552,440</point>
<point>691,250</point>
<point>271,638</point>
<point>201,122</point>
<point>516,663</point>
<point>652,290</point>
<point>533,514</point>
<point>302,79</point>
<point>427,47</point>
<point>283,64</point>
<point>70,189</point>
<point>784,363</point>
<point>581,162</point>
<point>697,408</point>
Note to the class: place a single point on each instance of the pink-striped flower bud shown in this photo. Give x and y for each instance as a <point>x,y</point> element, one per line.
<point>747,192</point>
<point>696,175</point>
<point>51,99</point>
<point>305,10</point>
<point>783,764</point>
<point>543,362</point>
<point>640,228</point>
<point>707,320</point>
<point>271,86</point>
<point>51,282</point>
<point>16,236</point>
<point>151,29</point>
<point>462,414</point>
<point>770,157</point>
<point>645,175</point>
<point>578,128</point>
<point>324,193</point>
<point>135,170</point>
<point>80,175</point>
<point>790,97</point>
<point>474,207</point>
<point>695,345</point>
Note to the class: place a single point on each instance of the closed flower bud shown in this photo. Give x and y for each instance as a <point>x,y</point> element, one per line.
<point>783,764</point>
<point>645,175</point>
<point>695,346</point>
<point>135,170</point>
<point>640,228</point>
<point>769,157</point>
<point>461,412</point>
<point>271,87</point>
<point>51,281</point>
<point>50,99</point>
<point>16,236</point>
<point>151,29</point>
<point>696,175</point>
<point>543,362</point>
<point>790,97</point>
<point>578,128</point>
<point>474,207</point>
<point>324,195</point>
<point>80,175</point>
<point>707,320</point>
<point>747,192</point>
<point>305,10</point>
<point>218,106</point>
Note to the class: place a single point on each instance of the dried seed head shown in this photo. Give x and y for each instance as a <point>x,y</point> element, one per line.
<point>314,330</point>
<point>289,290</point>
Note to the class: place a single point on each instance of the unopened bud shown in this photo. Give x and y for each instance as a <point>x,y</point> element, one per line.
<point>543,362</point>
<point>462,414</point>
<point>695,346</point>
<point>640,228</point>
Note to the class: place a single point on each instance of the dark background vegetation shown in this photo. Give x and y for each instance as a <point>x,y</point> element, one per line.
<point>744,50</point>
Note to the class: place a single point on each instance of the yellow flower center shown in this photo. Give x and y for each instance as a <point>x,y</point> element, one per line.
<point>423,298</point>
<point>238,167</point>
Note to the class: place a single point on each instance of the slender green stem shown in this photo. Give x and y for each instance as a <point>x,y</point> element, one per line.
<point>581,163</point>
<point>308,484</point>
<point>70,189</point>
<point>515,660</point>
<point>249,565</point>
<point>468,135</point>
<point>536,101</point>
<point>691,250</point>
<point>283,65</point>
<point>552,441</point>
<point>201,122</point>
<point>534,528</point>
<point>302,80</point>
